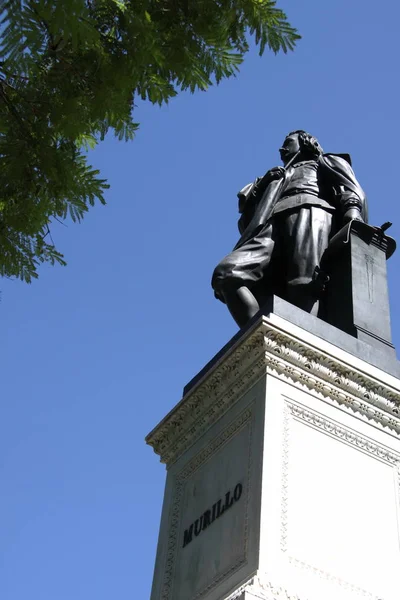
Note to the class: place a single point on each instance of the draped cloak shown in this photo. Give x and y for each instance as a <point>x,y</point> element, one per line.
<point>334,173</point>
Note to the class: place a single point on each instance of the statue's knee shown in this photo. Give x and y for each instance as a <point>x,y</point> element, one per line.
<point>217,279</point>
<point>222,278</point>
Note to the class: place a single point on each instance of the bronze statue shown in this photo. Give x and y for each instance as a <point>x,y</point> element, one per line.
<point>288,218</point>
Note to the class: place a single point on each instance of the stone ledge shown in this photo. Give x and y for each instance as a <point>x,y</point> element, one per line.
<point>275,346</point>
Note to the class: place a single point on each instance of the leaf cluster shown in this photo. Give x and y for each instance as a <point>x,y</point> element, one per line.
<point>70,71</point>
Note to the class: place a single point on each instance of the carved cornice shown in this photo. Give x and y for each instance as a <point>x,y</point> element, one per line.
<point>270,349</point>
<point>213,396</point>
<point>306,366</point>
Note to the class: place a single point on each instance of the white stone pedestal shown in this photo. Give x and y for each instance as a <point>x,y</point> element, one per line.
<point>283,476</point>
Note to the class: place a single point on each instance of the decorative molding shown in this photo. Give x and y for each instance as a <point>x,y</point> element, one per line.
<point>269,349</point>
<point>285,478</point>
<point>244,420</point>
<point>343,433</point>
<point>262,589</point>
<point>210,399</point>
<point>296,361</point>
<point>346,435</point>
<point>349,587</point>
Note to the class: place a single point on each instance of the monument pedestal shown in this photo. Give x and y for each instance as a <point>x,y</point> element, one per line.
<point>283,481</point>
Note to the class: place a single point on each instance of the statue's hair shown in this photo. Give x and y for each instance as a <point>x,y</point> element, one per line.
<point>308,143</point>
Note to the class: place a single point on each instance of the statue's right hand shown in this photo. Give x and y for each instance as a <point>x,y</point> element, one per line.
<point>275,173</point>
<point>272,175</point>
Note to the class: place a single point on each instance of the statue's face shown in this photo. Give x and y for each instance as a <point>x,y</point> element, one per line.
<point>289,148</point>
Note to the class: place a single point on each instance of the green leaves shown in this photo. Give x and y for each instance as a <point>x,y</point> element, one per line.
<point>270,27</point>
<point>69,72</point>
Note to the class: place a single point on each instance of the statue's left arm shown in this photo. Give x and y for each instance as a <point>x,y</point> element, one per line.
<point>349,195</point>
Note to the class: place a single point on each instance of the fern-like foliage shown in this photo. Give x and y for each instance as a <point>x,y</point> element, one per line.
<point>69,72</point>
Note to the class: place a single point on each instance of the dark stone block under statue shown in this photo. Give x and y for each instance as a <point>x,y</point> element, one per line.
<point>356,298</point>
<point>305,238</point>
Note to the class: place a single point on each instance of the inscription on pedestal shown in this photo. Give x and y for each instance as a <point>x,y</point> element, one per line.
<point>210,515</point>
<point>210,512</point>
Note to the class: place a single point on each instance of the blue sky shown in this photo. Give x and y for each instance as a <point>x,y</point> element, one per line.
<point>95,354</point>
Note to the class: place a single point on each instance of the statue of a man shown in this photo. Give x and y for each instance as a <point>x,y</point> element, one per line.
<point>287,219</point>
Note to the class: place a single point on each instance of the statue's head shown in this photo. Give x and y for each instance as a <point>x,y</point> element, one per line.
<point>302,141</point>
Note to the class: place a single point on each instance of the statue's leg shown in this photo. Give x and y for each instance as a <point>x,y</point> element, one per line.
<point>306,232</point>
<point>238,272</point>
<point>242,304</point>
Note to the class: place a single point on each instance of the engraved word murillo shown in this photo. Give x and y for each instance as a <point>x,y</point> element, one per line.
<point>211,514</point>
